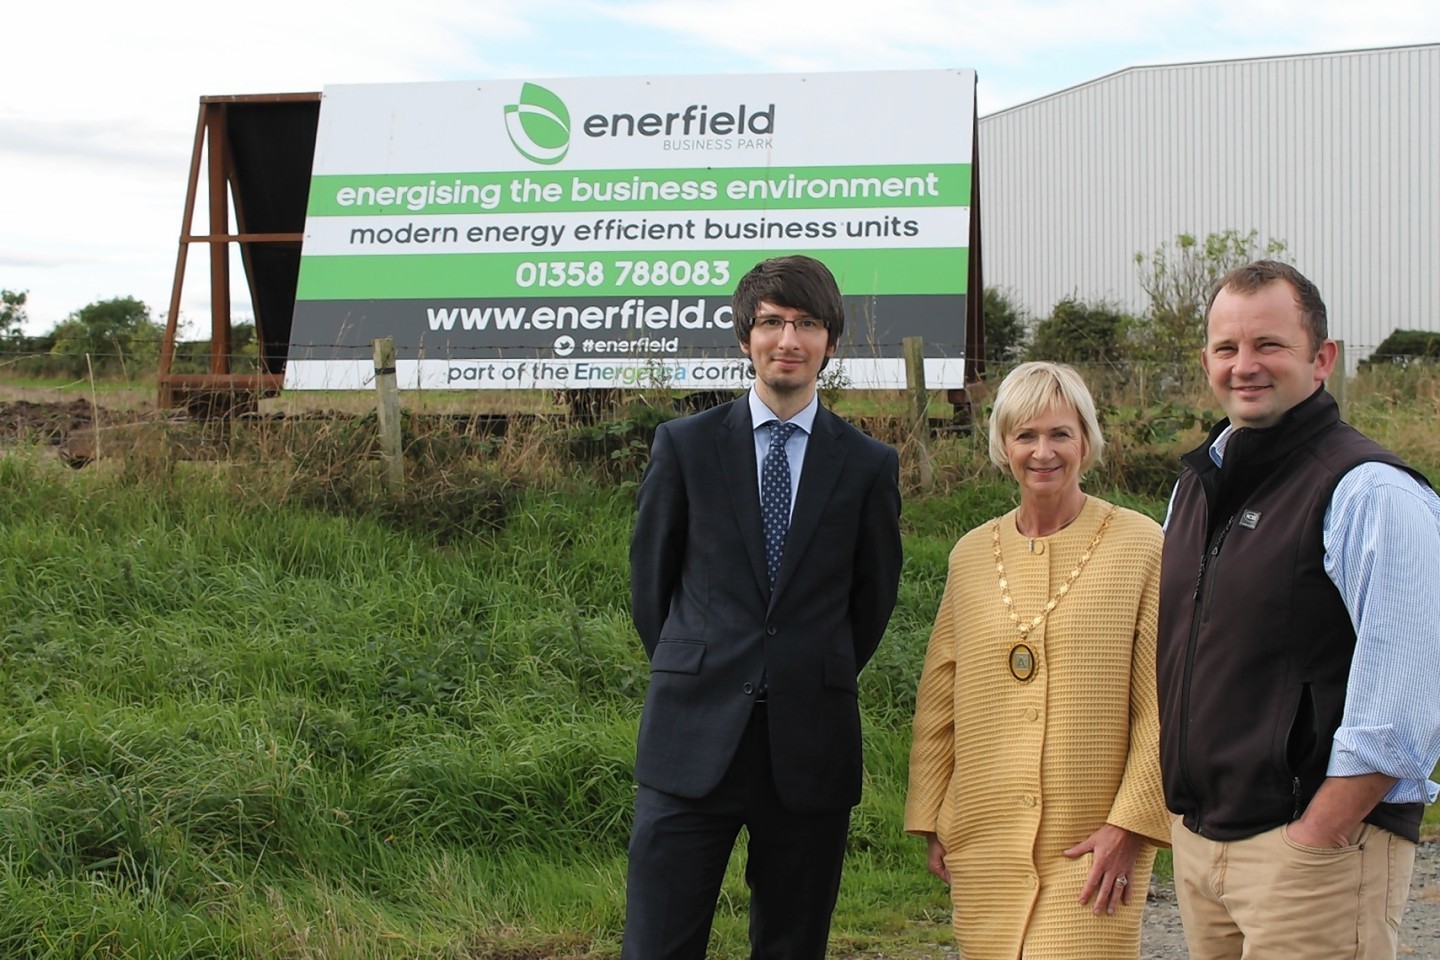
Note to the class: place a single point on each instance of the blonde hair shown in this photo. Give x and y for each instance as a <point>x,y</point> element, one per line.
<point>1029,391</point>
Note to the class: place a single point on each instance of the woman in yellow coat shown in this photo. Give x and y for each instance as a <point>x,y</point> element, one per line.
<point>1035,772</point>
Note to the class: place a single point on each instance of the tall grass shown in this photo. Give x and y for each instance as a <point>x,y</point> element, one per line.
<point>207,703</point>
<point>262,709</point>
<point>235,725</point>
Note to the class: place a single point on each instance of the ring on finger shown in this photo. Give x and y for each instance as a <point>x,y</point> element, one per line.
<point>1122,881</point>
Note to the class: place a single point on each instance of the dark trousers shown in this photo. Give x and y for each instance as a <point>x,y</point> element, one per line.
<point>679,849</point>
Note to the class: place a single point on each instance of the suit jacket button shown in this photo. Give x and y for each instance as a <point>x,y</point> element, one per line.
<point>770,631</point>
<point>749,688</point>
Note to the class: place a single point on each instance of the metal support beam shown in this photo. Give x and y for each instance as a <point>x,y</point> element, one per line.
<point>220,388</point>
<point>219,252</point>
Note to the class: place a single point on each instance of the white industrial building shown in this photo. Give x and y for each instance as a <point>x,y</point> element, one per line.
<point>1336,154</point>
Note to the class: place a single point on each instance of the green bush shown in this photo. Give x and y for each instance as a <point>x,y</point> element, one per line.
<point>1178,277</point>
<point>1404,347</point>
<point>1006,327</point>
<point>1090,336</point>
<point>108,335</point>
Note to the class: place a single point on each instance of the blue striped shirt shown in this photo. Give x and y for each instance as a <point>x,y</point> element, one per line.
<point>1382,552</point>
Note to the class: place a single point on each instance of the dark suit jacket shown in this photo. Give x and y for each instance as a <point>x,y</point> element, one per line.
<point>704,610</point>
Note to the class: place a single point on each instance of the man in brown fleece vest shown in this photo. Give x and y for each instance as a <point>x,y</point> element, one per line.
<point>1299,649</point>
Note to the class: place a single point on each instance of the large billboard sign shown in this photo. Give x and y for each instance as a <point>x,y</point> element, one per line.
<point>589,232</point>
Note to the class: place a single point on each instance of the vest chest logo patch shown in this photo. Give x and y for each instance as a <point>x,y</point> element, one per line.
<point>1250,519</point>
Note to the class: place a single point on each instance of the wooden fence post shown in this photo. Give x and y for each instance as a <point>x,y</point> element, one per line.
<point>387,412</point>
<point>919,445</point>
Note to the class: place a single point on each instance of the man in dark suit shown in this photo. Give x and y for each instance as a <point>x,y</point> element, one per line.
<point>764,566</point>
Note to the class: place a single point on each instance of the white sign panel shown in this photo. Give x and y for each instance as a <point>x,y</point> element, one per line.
<point>588,233</point>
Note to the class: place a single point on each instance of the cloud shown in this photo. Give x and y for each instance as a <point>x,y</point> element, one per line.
<point>85,142</point>
<point>32,260</point>
<point>1025,48</point>
<point>98,100</point>
<point>860,34</point>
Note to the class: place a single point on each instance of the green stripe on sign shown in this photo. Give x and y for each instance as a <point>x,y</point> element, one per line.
<point>509,276</point>
<point>703,188</point>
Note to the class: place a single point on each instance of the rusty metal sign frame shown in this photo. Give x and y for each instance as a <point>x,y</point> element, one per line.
<point>221,388</point>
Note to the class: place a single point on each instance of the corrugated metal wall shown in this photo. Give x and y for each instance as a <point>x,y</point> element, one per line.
<point>1336,154</point>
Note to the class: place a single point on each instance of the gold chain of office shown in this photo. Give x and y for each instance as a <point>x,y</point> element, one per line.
<point>1050,604</point>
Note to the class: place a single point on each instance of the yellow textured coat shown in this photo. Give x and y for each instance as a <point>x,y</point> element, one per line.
<point>1008,773</point>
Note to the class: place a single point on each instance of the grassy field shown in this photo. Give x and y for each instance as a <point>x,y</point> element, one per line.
<point>253,709</point>
<point>232,728</point>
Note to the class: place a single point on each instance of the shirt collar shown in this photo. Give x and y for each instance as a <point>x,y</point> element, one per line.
<point>1217,449</point>
<point>805,419</point>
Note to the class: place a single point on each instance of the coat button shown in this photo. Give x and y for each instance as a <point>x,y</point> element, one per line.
<point>749,688</point>
<point>770,631</point>
<point>1032,714</point>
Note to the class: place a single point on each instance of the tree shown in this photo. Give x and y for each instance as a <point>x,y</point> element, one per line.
<point>242,340</point>
<point>1405,347</point>
<point>12,313</point>
<point>1178,278</point>
<point>115,330</point>
<point>1005,327</point>
<point>1081,333</point>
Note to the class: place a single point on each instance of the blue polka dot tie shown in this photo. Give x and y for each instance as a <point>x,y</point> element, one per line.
<point>775,495</point>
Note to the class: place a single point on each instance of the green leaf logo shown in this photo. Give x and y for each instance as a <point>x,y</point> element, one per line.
<point>539,125</point>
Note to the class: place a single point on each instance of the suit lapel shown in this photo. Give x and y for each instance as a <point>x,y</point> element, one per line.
<point>735,449</point>
<point>824,459</point>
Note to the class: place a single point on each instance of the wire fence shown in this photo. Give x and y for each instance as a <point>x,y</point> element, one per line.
<point>138,359</point>
<point>1117,383</point>
<point>1149,411</point>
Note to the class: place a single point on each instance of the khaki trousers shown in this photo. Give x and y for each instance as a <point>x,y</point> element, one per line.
<point>1269,898</point>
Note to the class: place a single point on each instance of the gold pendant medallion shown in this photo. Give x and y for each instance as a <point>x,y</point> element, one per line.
<point>1022,663</point>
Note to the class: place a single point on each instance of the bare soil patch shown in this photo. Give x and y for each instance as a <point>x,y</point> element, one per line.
<point>72,427</point>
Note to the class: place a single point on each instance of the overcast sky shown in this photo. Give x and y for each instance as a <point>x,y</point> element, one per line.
<point>98,100</point>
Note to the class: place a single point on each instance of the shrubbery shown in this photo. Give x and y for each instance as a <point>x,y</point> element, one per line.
<point>1178,277</point>
<point>1006,327</point>
<point>1081,333</point>
<point>1404,347</point>
<point>1149,356</point>
<point>105,336</point>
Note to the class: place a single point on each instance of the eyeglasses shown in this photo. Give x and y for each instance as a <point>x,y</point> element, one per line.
<point>805,326</point>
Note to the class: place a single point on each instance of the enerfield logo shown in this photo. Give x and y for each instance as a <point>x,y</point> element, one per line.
<point>539,125</point>
<point>697,119</point>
